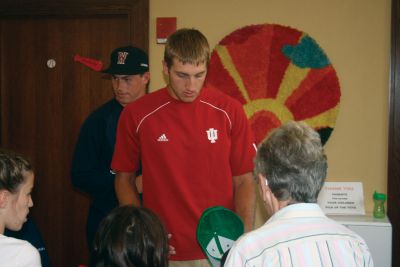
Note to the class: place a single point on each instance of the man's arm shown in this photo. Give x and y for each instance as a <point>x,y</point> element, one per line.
<point>245,199</point>
<point>125,189</point>
<point>90,169</point>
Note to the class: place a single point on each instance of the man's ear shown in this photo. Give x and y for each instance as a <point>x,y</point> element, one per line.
<point>165,68</point>
<point>146,77</point>
<point>3,198</point>
<point>262,181</point>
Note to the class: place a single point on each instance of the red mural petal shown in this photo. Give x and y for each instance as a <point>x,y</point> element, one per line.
<point>261,123</point>
<point>318,92</point>
<point>257,51</point>
<point>221,79</point>
<point>252,60</point>
<point>278,61</point>
<point>237,37</point>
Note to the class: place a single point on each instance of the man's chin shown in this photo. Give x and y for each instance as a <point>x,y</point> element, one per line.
<point>123,101</point>
<point>188,99</point>
<point>15,227</point>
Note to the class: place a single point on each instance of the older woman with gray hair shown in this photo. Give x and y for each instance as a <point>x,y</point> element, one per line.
<point>291,168</point>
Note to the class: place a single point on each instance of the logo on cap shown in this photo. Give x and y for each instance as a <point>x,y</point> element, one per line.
<point>128,60</point>
<point>122,57</point>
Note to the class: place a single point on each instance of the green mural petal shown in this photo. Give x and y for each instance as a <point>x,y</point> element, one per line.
<point>307,54</point>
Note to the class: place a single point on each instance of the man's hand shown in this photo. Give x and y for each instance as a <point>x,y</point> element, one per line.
<point>171,248</point>
<point>125,189</point>
<point>245,199</point>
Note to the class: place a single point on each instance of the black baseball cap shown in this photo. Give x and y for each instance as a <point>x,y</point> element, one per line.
<point>128,60</point>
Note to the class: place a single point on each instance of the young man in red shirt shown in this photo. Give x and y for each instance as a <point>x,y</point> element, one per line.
<point>195,146</point>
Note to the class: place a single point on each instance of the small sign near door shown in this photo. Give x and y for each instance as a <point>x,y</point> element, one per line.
<point>165,27</point>
<point>342,198</point>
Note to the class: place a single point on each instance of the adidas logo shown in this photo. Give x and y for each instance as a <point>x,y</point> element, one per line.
<point>162,138</point>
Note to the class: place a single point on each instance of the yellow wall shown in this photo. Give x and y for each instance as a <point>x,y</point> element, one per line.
<point>355,34</point>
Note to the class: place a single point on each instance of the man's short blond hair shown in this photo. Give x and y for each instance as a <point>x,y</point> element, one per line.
<point>187,46</point>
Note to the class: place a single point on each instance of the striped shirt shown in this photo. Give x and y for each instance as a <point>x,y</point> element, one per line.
<point>300,235</point>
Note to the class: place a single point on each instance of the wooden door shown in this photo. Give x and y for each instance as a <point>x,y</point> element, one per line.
<point>42,107</point>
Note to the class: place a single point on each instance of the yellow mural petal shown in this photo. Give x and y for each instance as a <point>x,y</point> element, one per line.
<point>325,119</point>
<point>268,104</point>
<point>226,60</point>
<point>291,80</point>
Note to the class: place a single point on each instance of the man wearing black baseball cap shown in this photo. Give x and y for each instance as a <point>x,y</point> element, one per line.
<point>90,172</point>
<point>129,67</point>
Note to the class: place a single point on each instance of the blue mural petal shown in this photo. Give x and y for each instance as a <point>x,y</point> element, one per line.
<point>306,54</point>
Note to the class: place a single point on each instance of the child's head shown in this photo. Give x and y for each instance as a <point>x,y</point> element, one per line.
<point>16,184</point>
<point>131,236</point>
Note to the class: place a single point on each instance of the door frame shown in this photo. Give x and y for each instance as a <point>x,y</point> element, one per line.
<point>394,134</point>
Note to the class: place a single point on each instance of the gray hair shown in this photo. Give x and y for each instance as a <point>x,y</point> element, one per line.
<point>293,161</point>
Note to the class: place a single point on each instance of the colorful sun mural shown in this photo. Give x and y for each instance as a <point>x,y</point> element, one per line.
<point>278,74</point>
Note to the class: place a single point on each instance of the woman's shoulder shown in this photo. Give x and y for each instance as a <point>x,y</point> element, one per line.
<point>17,250</point>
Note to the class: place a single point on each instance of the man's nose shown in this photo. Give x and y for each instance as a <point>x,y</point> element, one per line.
<point>118,83</point>
<point>30,204</point>
<point>190,82</point>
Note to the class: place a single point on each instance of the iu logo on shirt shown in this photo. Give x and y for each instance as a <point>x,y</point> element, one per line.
<point>212,134</point>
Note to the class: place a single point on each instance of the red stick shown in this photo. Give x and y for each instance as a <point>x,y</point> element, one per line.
<point>91,63</point>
